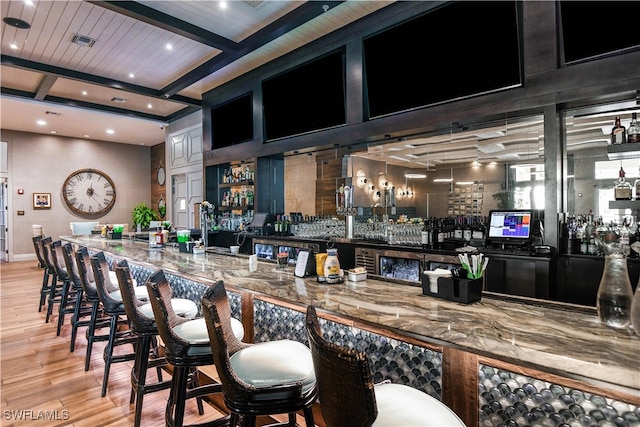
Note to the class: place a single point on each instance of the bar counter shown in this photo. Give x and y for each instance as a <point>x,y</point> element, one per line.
<point>560,340</point>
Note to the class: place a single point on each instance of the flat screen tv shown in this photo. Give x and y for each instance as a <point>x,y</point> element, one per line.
<point>510,226</point>
<point>307,98</point>
<point>583,35</point>
<point>419,63</point>
<point>232,122</point>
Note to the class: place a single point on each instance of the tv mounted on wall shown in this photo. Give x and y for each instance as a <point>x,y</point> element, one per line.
<point>510,226</point>
<point>583,35</point>
<point>458,50</point>
<point>304,99</point>
<point>232,122</point>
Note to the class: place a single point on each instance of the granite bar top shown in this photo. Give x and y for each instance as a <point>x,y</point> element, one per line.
<point>559,339</point>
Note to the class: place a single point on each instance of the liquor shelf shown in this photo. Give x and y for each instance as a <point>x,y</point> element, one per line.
<point>544,344</point>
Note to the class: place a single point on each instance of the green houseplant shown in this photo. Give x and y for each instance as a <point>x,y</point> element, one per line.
<point>142,215</point>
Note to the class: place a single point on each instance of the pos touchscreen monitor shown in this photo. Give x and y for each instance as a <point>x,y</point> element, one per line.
<point>510,226</point>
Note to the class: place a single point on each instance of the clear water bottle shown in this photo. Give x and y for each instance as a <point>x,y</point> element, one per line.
<point>613,302</point>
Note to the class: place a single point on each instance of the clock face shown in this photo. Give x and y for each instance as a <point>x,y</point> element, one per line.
<point>89,193</point>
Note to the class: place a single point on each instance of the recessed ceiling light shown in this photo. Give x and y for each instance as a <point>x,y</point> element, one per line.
<point>168,46</point>
<point>84,92</point>
<point>110,131</point>
<point>132,75</point>
<point>13,46</point>
<point>52,131</point>
<point>86,135</point>
<point>223,5</point>
<point>149,105</point>
<point>41,122</point>
<point>28,2</point>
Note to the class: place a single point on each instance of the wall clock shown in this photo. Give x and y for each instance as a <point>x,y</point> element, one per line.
<point>89,193</point>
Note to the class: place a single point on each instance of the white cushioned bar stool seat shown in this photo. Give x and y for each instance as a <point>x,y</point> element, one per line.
<point>400,405</point>
<point>182,306</point>
<point>272,363</point>
<point>348,396</point>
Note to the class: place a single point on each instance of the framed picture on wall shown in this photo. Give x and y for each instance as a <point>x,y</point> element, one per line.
<point>41,200</point>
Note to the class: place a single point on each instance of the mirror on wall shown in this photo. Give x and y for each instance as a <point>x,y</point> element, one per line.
<point>593,164</point>
<point>464,172</point>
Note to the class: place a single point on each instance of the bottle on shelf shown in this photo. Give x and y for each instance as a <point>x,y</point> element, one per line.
<point>636,187</point>
<point>622,187</point>
<point>425,235</point>
<point>618,133</point>
<point>633,133</point>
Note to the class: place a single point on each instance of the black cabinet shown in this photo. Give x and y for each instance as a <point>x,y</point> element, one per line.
<point>524,276</point>
<point>579,278</point>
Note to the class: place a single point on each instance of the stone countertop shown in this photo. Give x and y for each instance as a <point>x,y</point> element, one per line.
<point>558,339</point>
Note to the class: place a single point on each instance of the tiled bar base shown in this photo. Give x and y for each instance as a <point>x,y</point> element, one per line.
<point>515,400</point>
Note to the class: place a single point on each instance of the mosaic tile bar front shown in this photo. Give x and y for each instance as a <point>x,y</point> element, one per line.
<point>507,399</point>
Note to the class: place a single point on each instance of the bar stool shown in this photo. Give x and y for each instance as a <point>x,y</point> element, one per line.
<point>96,321</point>
<point>82,308</point>
<point>46,273</point>
<point>349,398</point>
<point>114,309</point>
<point>186,345</point>
<point>266,378</point>
<point>67,292</point>
<point>55,286</point>
<point>146,349</point>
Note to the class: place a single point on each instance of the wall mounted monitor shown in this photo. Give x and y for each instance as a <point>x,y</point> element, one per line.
<point>510,226</point>
<point>304,99</point>
<point>458,50</point>
<point>232,122</point>
<point>584,36</point>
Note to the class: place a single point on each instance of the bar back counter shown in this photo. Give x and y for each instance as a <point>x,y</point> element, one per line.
<point>495,362</point>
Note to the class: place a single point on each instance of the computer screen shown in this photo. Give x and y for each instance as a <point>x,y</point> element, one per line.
<point>510,225</point>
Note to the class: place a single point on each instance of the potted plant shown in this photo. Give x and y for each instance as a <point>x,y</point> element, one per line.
<point>142,215</point>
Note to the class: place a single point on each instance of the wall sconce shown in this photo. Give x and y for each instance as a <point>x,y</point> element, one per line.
<point>375,194</point>
<point>361,178</point>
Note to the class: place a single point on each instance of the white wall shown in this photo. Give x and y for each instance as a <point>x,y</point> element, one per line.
<point>41,163</point>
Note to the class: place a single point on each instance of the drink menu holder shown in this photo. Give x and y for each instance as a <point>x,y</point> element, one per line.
<point>455,289</point>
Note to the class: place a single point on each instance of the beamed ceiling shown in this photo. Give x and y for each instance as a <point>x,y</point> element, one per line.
<point>86,66</point>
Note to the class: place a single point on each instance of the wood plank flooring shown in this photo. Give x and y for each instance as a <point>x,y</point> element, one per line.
<point>43,384</point>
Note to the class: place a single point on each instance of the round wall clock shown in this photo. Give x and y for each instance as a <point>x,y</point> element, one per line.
<point>89,193</point>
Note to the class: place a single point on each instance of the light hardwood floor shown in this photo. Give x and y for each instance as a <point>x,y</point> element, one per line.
<point>43,384</point>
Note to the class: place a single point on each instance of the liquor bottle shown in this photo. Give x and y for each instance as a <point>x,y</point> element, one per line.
<point>622,188</point>
<point>636,187</point>
<point>633,133</point>
<point>618,133</point>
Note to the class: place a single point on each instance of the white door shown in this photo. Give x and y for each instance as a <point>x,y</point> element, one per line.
<point>4,249</point>
<point>180,211</point>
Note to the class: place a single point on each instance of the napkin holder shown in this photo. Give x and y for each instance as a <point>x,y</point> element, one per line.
<point>455,289</point>
<point>186,247</point>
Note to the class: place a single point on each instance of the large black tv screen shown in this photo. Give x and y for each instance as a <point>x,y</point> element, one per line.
<point>307,98</point>
<point>458,50</point>
<point>586,35</point>
<point>232,122</point>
